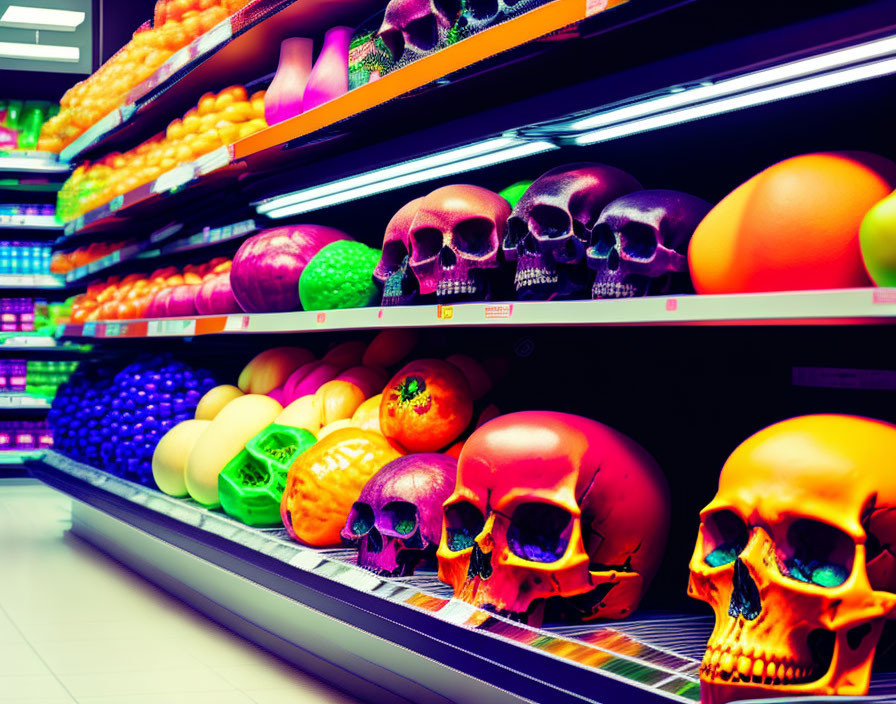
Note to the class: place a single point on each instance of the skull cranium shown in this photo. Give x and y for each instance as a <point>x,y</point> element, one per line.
<point>392,274</point>
<point>553,516</point>
<point>796,556</point>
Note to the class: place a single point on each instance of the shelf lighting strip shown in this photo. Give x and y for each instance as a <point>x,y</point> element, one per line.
<point>448,163</point>
<point>809,75</point>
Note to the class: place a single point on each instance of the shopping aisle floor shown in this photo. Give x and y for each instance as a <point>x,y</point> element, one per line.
<point>76,626</point>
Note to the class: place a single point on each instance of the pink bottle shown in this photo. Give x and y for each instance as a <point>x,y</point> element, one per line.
<point>329,77</point>
<point>284,97</point>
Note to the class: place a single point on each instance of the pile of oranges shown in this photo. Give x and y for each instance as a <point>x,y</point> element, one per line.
<point>219,119</point>
<point>64,262</point>
<point>128,298</point>
<point>176,24</point>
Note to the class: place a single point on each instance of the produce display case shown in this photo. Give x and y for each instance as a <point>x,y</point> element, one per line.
<point>684,95</point>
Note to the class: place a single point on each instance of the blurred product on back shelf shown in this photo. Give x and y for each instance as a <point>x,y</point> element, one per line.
<point>25,435</point>
<point>22,257</point>
<point>13,213</point>
<point>218,119</point>
<point>45,377</point>
<point>21,123</point>
<point>64,262</point>
<point>176,23</point>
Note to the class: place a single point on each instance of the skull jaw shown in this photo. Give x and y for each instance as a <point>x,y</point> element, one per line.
<point>394,559</point>
<point>609,284</point>
<point>538,280</point>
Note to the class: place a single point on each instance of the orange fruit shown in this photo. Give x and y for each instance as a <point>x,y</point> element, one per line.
<point>426,405</point>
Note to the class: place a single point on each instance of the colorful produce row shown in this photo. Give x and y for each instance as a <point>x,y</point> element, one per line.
<point>218,119</point>
<point>196,290</point>
<point>115,420</point>
<point>64,262</point>
<point>591,230</point>
<point>177,23</point>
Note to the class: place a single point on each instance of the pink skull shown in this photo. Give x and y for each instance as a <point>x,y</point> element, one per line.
<point>455,239</point>
<point>551,227</point>
<point>411,28</point>
<point>397,520</point>
<point>640,244</point>
<point>392,275</point>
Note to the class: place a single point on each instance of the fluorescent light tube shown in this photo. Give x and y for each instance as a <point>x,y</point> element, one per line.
<point>738,102</point>
<point>374,185</point>
<point>39,52</point>
<point>42,18</point>
<point>405,167</point>
<point>756,79</point>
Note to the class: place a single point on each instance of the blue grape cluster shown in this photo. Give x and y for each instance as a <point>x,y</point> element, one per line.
<point>114,422</point>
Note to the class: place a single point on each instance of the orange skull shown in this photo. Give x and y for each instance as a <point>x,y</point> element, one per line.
<point>553,516</point>
<point>795,555</point>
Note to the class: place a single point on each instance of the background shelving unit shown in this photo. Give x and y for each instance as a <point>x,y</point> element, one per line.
<point>687,376</point>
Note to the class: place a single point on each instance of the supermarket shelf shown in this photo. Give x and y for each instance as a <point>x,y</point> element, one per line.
<point>847,306</point>
<point>158,246</point>
<point>30,222</point>
<point>276,145</point>
<point>29,281</point>
<point>406,634</point>
<point>242,47</point>
<point>30,341</point>
<point>19,457</point>
<point>23,401</point>
<point>31,164</point>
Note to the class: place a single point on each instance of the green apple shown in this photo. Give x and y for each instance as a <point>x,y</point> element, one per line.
<point>877,237</point>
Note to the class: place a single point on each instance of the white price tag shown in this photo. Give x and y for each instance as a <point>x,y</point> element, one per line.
<point>175,178</point>
<point>236,323</point>
<point>164,328</point>
<point>213,161</point>
<point>116,203</point>
<point>214,37</point>
<point>306,560</point>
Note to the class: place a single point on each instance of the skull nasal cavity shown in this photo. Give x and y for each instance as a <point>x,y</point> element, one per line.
<point>447,258</point>
<point>548,221</point>
<point>374,541</point>
<point>745,599</point>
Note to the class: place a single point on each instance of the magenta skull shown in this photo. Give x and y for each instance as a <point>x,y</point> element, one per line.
<point>397,520</point>
<point>550,228</point>
<point>639,246</point>
<point>392,275</point>
<point>455,238</point>
<point>412,28</point>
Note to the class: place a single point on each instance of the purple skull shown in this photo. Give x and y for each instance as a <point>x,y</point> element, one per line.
<point>412,28</point>
<point>550,228</point>
<point>639,246</point>
<point>392,275</point>
<point>455,238</point>
<point>397,520</point>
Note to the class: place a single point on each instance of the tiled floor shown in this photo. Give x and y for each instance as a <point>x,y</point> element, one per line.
<point>75,626</point>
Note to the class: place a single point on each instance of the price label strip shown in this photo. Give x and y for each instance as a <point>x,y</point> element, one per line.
<point>171,328</point>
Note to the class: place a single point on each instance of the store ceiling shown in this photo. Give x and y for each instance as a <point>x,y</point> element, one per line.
<point>50,36</point>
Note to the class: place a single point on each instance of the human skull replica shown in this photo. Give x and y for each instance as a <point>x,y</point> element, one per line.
<point>550,228</point>
<point>392,275</point>
<point>795,554</point>
<point>554,516</point>
<point>413,28</point>
<point>639,245</point>
<point>397,520</point>
<point>455,239</point>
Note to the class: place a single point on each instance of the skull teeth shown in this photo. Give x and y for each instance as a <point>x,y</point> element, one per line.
<point>535,277</point>
<point>614,289</point>
<point>729,664</point>
<point>452,288</point>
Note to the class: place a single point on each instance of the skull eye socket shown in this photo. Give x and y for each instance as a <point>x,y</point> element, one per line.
<point>482,9</point>
<point>427,242</point>
<point>638,240</point>
<point>401,516</point>
<point>463,522</point>
<point>394,42</point>
<point>423,33</point>
<point>816,553</point>
<point>603,240</point>
<point>725,536</point>
<point>550,222</point>
<point>539,532</point>
<point>361,518</point>
<point>473,236</point>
